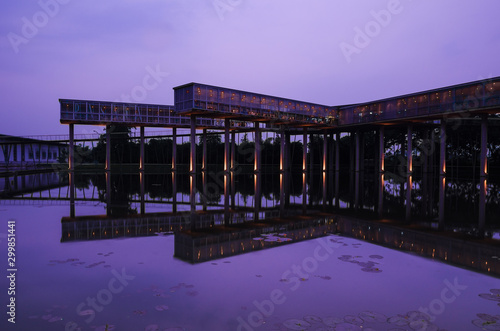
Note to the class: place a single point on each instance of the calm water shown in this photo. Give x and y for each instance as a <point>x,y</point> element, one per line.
<point>134,252</point>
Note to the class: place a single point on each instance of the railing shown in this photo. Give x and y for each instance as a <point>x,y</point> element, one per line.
<point>466,97</point>
<point>472,96</point>
<point>98,112</point>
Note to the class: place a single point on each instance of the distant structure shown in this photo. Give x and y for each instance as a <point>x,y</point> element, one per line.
<point>199,106</point>
<point>21,152</point>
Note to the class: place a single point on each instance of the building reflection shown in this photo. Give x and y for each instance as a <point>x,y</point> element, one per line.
<point>214,215</point>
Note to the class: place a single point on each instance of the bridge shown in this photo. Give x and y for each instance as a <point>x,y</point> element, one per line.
<point>199,106</point>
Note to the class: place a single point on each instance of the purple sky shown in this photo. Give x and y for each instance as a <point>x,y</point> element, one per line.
<point>307,50</point>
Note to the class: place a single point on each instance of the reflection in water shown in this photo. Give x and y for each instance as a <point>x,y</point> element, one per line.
<point>233,205</point>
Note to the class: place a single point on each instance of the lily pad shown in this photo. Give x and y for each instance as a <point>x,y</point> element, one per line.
<point>398,320</point>
<point>346,327</point>
<point>296,324</point>
<point>313,319</point>
<point>486,325</point>
<point>332,321</point>
<point>488,317</point>
<point>370,317</point>
<point>351,319</point>
<point>372,270</point>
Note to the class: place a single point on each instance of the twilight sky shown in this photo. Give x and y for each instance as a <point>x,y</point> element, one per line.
<point>325,51</point>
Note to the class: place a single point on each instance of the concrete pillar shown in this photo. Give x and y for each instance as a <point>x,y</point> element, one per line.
<point>71,152</point>
<point>233,150</point>
<point>204,197</point>
<point>227,123</point>
<point>304,150</point>
<point>108,147</point>
<point>483,168</point>
<point>204,158</point>
<point>108,192</point>
<point>227,182</point>
<point>325,187</point>
<point>409,150</point>
<point>482,203</point>
<point>425,152</point>
<point>192,156</point>
<point>174,192</point>
<point>282,150</point>
<point>257,196</point>
<point>258,147</point>
<point>174,149</point>
<point>142,185</point>
<point>381,149</point>
<point>337,189</point>
<point>409,183</point>
<point>192,192</point>
<point>71,193</point>
<point>331,154</point>
<point>337,152</point>
<point>442,149</point>
<point>311,154</point>
<point>141,157</point>
<point>380,205</point>
<point>442,187</point>
<point>288,161</point>
<point>304,192</point>
<point>325,150</point>
<point>362,152</point>
<point>357,151</point>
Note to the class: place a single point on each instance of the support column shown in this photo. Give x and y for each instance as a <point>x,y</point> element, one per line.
<point>409,184</point>
<point>325,150</point>
<point>257,196</point>
<point>330,152</point>
<point>304,192</point>
<point>288,161</point>
<point>71,154</point>
<point>258,147</point>
<point>357,151</point>
<point>482,203</point>
<point>233,150</point>
<point>442,187</point>
<point>141,157</point>
<point>380,205</point>
<point>108,192</point>
<point>227,123</point>
<point>282,150</point>
<point>409,150</point>
<point>442,149</point>
<point>108,147</point>
<point>311,154</point>
<point>337,152</point>
<point>174,149</point>
<point>142,185</point>
<point>381,150</point>
<point>192,156</point>
<point>174,192</point>
<point>483,168</point>
<point>425,151</point>
<point>204,158</point>
<point>304,151</point>
<point>227,182</point>
<point>71,193</point>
